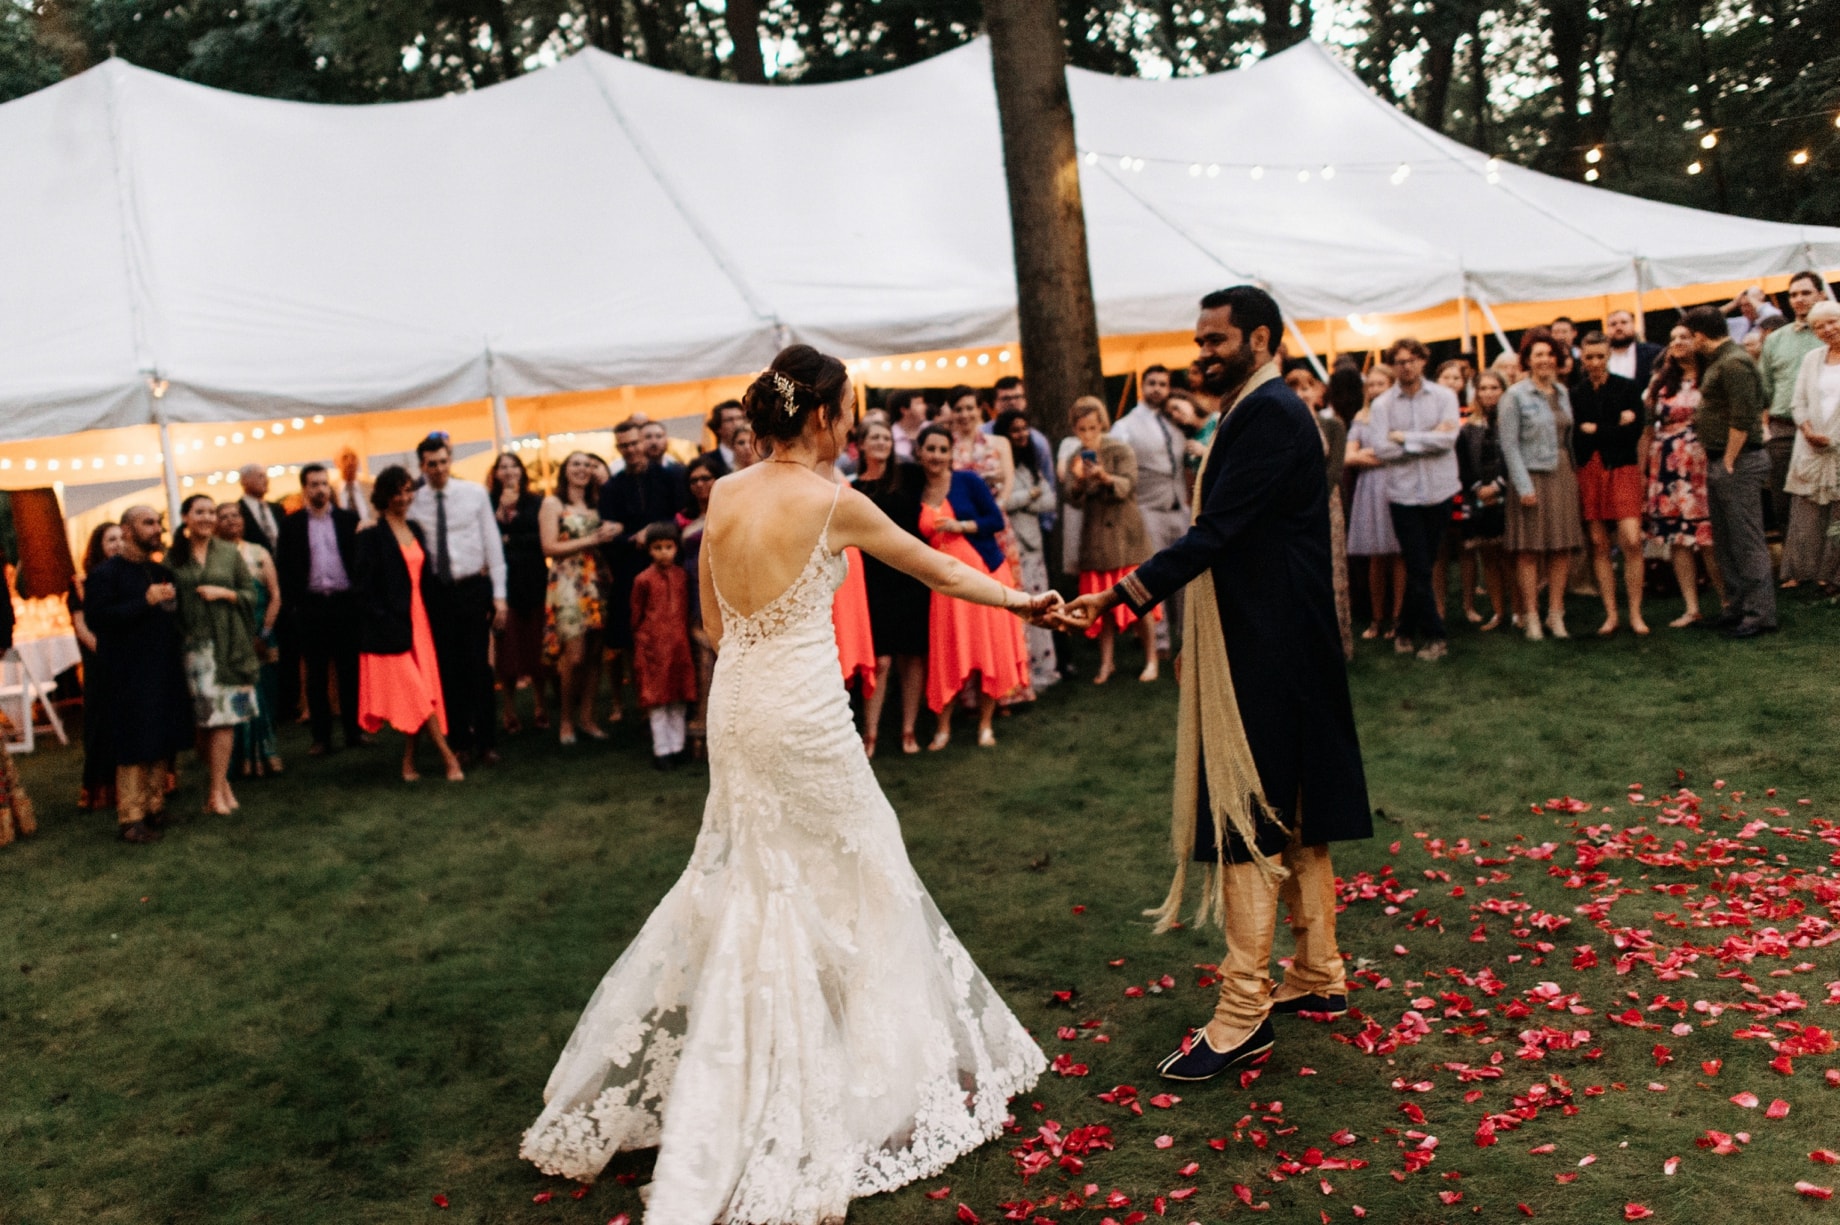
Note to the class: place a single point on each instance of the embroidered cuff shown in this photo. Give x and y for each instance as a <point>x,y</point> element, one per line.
<point>1133,593</point>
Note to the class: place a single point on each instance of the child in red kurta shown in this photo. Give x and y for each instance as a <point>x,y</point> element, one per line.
<point>662,661</point>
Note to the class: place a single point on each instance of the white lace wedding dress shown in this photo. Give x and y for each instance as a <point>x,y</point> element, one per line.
<point>795,1025</point>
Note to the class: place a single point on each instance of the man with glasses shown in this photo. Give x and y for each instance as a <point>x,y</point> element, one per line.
<point>466,601</point>
<point>1011,396</point>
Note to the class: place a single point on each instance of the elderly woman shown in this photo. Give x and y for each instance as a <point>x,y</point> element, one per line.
<point>1102,482</point>
<point>217,600</point>
<point>1810,552</point>
<point>1544,524</point>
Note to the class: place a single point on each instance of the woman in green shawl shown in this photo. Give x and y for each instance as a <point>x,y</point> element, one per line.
<point>217,598</point>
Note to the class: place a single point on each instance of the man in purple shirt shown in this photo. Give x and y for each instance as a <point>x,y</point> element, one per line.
<point>314,565</point>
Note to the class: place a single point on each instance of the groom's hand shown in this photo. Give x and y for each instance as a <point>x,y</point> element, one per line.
<point>1083,612</point>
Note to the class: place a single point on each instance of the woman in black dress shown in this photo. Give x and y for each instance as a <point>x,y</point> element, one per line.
<point>1483,518</point>
<point>98,789</point>
<point>519,645</point>
<point>897,604</point>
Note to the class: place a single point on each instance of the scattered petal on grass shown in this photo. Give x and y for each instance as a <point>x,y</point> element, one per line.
<point>939,1194</point>
<point>1670,1165</point>
<point>1814,1192</point>
<point>1747,1100</point>
<point>543,1197</point>
<point>622,1219</point>
<point>967,1216</point>
<point>440,1201</point>
<point>1164,1141</point>
<point>1637,1212</point>
<point>1824,1156</point>
<point>1778,1109</point>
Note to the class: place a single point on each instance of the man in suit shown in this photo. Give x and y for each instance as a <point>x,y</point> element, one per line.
<point>1630,358</point>
<point>353,492</point>
<point>1268,765</point>
<point>314,564</point>
<point>262,525</point>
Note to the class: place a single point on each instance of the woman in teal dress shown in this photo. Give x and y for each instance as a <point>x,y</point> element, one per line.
<point>217,598</point>
<point>256,750</point>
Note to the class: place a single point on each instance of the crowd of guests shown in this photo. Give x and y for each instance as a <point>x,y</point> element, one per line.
<point>424,603</point>
<point>1544,470</point>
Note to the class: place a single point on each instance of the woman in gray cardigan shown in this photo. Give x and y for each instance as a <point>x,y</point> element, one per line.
<point>1102,482</point>
<point>1534,422</point>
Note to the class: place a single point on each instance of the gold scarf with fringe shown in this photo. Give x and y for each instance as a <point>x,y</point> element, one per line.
<point>1208,711</point>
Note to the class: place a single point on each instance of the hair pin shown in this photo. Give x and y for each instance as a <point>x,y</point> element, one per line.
<point>785,387</point>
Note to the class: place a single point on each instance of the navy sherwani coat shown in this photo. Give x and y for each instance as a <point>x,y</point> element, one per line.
<point>1263,536</point>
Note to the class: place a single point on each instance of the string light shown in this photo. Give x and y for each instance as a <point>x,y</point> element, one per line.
<point>1590,176</point>
<point>1401,175</point>
<point>1595,155</point>
<point>1124,163</point>
<point>1709,141</point>
<point>1800,157</point>
<point>1694,168</point>
<point>1214,171</point>
<point>1328,172</point>
<point>1092,159</point>
<point>1303,176</point>
<point>1258,172</point>
<point>1194,170</point>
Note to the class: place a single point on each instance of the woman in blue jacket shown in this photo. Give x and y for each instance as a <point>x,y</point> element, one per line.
<point>967,645</point>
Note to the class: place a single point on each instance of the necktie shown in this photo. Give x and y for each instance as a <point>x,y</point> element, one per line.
<point>1175,468</point>
<point>443,564</point>
<point>351,496</point>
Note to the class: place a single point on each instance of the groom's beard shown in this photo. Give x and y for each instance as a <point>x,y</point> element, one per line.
<point>1223,375</point>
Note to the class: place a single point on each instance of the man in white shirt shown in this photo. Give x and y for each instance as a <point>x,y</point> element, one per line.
<point>1633,359</point>
<point>906,418</point>
<point>354,491</point>
<point>1417,422</point>
<point>1746,311</point>
<point>261,518</point>
<point>1162,481</point>
<point>466,601</point>
<point>724,419</point>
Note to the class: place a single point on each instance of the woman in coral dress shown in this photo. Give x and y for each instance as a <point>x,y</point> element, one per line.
<point>399,683</point>
<point>967,644</point>
<point>1678,513</point>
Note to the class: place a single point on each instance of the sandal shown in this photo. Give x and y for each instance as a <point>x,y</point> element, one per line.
<point>1684,620</point>
<point>939,742</point>
<point>987,739</point>
<point>909,745</point>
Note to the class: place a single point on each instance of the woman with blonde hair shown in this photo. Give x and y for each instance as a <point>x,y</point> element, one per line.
<point>1810,550</point>
<point>1102,481</point>
<point>1370,522</point>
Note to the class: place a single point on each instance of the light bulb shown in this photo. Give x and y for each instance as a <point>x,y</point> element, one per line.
<point>1194,170</point>
<point>1303,176</point>
<point>1328,172</point>
<point>1214,171</point>
<point>1092,159</point>
<point>1694,168</point>
<point>1402,174</point>
<point>1590,176</point>
<point>1258,172</point>
<point>1124,163</point>
<point>1709,141</point>
<point>1594,156</point>
<point>1800,157</point>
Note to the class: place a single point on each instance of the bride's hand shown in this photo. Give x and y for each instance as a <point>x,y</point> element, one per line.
<point>1038,610</point>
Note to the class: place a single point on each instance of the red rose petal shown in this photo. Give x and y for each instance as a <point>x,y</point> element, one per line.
<point>1164,1141</point>
<point>440,1201</point>
<point>1778,1109</point>
<point>1814,1192</point>
<point>967,1216</point>
<point>939,1194</point>
<point>1824,1156</point>
<point>1747,1100</point>
<point>1637,1212</point>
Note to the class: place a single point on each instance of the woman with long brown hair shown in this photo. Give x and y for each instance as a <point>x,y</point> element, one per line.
<point>519,646</point>
<point>1678,512</point>
<point>573,537</point>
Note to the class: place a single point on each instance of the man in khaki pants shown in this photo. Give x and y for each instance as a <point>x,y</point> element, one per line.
<point>1268,766</point>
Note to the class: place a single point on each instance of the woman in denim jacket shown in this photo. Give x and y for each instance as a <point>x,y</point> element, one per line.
<point>1535,422</point>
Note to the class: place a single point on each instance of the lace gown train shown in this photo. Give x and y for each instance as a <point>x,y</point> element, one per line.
<point>795,1025</point>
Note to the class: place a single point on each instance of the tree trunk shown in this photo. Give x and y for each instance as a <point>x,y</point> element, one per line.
<point>1566,24</point>
<point>606,25</point>
<point>1479,83</point>
<point>1382,46</point>
<point>1281,29</point>
<point>742,17</point>
<point>1440,65</point>
<point>656,34</point>
<point>1054,298</point>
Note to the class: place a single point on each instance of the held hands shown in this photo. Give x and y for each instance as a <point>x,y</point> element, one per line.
<point>1084,611</point>
<point>161,593</point>
<point>1038,610</point>
<point>1590,427</point>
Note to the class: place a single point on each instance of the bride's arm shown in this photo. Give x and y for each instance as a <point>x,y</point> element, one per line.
<point>712,611</point>
<point>860,522</point>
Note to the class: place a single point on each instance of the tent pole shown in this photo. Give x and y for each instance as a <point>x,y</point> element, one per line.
<point>1494,325</point>
<point>1309,354</point>
<point>501,425</point>
<point>1641,315</point>
<point>170,465</point>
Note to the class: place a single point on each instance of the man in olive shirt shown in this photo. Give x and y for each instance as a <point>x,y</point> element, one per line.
<point>1779,363</point>
<point>1729,423</point>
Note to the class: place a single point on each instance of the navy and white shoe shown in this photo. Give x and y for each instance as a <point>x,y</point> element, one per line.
<point>1196,1058</point>
<point>1327,1005</point>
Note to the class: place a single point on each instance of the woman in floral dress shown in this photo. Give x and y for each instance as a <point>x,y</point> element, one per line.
<point>1677,513</point>
<point>573,535</point>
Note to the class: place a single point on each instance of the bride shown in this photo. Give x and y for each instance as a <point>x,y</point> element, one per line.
<point>795,1025</point>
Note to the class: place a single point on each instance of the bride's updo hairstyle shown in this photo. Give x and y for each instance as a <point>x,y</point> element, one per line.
<point>801,381</point>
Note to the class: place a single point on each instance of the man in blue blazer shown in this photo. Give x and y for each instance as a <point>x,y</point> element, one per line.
<point>1268,765</point>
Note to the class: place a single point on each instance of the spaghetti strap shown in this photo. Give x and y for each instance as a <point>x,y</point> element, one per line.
<point>824,535</point>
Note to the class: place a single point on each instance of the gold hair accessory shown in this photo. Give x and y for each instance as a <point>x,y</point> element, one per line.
<point>785,387</point>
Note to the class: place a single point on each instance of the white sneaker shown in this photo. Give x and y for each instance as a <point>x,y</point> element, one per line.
<point>1555,622</point>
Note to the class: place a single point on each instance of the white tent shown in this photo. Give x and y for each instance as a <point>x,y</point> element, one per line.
<point>602,224</point>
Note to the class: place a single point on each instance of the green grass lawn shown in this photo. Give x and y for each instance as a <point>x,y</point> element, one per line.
<point>344,1001</point>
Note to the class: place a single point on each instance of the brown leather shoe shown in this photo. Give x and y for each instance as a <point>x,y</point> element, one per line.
<point>137,831</point>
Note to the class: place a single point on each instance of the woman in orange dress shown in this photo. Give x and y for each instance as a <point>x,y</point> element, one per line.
<point>855,640</point>
<point>967,643</point>
<point>399,682</point>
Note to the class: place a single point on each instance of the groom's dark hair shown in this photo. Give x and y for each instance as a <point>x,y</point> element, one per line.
<point>1251,308</point>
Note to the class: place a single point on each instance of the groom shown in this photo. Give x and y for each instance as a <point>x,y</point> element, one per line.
<point>1268,767</point>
